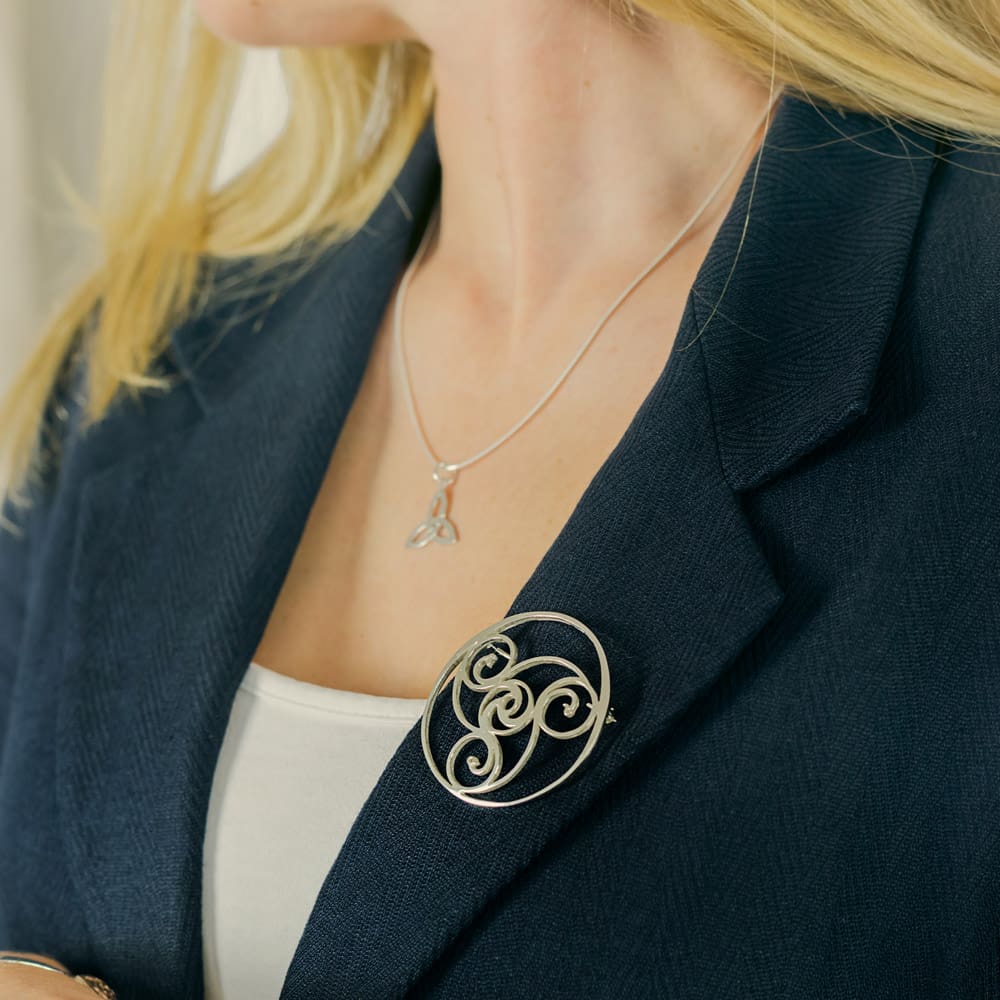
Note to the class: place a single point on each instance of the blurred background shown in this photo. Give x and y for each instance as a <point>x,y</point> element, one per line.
<point>51,57</point>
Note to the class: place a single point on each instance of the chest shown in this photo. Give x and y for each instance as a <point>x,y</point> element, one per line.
<point>355,594</point>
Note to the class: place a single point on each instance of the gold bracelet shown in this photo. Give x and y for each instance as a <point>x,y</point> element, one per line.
<point>99,986</point>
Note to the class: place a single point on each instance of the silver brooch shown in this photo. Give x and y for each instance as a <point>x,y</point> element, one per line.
<point>488,665</point>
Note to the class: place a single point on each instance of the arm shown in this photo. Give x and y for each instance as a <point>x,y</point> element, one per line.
<point>19,527</point>
<point>14,557</point>
<point>19,982</point>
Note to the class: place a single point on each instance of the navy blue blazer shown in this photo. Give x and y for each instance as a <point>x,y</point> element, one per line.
<point>791,558</point>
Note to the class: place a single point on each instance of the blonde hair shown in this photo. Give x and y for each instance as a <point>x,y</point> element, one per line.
<point>354,113</point>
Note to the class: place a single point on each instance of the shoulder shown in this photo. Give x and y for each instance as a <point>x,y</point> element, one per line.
<point>956,259</point>
<point>946,347</point>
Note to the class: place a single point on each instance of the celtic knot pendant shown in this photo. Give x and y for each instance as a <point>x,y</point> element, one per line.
<point>437,526</point>
<point>516,703</point>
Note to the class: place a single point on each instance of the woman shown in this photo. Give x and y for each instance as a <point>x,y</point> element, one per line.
<point>584,617</point>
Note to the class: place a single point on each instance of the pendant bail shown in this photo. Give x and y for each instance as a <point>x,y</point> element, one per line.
<point>444,473</point>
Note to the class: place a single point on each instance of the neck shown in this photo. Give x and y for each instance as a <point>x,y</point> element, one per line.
<point>573,147</point>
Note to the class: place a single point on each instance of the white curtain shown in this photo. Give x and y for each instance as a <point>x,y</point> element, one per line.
<point>51,53</point>
<point>50,62</point>
<point>17,272</point>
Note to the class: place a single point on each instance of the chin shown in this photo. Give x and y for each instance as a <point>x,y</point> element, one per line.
<point>302,22</point>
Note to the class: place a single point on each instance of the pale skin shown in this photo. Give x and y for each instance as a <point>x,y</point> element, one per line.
<point>572,150</point>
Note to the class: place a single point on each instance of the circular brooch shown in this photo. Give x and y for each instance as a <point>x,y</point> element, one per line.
<point>505,710</point>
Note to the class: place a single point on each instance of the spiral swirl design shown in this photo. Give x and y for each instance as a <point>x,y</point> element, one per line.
<point>489,665</point>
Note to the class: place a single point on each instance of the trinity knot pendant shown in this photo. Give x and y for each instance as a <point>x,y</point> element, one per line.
<point>437,526</point>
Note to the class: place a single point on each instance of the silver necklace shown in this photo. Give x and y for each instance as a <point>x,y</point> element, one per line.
<point>438,525</point>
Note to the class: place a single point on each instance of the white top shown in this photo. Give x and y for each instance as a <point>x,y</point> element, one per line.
<point>297,763</point>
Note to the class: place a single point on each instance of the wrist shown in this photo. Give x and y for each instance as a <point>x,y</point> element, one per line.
<point>93,983</point>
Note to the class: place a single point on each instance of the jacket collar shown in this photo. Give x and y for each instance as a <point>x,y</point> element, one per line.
<point>792,350</point>
<point>183,545</point>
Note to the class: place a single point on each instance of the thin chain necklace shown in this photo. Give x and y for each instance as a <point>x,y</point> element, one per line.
<point>438,525</point>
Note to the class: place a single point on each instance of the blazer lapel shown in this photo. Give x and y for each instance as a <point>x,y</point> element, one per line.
<point>658,557</point>
<point>182,549</point>
<point>660,562</point>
